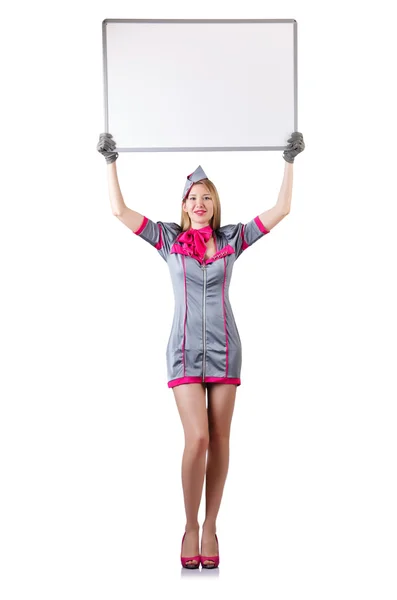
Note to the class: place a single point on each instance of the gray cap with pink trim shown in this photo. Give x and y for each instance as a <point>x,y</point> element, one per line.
<point>194,177</point>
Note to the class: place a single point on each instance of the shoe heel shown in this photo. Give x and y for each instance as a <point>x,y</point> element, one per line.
<point>186,559</point>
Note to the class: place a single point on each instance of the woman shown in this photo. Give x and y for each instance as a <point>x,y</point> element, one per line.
<point>204,347</point>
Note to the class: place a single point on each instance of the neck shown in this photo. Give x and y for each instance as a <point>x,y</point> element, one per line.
<point>198,226</point>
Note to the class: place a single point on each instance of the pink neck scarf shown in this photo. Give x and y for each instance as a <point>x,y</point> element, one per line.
<point>194,241</point>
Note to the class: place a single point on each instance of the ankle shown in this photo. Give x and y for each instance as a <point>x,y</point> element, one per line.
<point>192,527</point>
<point>209,526</point>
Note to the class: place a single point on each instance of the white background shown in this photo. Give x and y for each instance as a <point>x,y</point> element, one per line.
<point>91,442</point>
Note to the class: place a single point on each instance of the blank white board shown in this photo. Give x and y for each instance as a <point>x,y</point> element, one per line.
<point>200,84</point>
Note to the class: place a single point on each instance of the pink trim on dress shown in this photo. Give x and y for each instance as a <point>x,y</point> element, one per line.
<point>244,244</point>
<point>221,253</point>
<point>224,315</point>
<point>261,225</point>
<point>174,382</point>
<point>178,249</point>
<point>159,244</point>
<point>184,324</point>
<point>142,226</point>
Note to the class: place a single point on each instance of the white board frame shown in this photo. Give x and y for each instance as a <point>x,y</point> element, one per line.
<point>148,107</point>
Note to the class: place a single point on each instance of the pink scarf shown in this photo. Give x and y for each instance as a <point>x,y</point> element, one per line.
<point>194,241</point>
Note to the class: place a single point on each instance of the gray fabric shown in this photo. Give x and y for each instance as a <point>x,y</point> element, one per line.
<point>193,312</point>
<point>106,146</point>
<point>194,177</point>
<point>295,146</point>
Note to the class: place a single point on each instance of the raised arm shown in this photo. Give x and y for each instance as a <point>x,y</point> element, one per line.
<point>271,217</point>
<point>274,215</point>
<point>131,218</point>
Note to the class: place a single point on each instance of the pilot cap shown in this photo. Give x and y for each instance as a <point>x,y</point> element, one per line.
<point>193,178</point>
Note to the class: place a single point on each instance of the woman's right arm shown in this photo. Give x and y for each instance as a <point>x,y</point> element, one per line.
<point>130,218</point>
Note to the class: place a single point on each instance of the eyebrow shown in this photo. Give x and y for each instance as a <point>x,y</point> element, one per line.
<point>207,194</point>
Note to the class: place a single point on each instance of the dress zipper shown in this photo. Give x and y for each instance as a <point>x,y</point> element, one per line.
<point>204,267</point>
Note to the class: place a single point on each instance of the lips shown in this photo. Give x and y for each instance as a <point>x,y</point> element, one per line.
<point>199,211</point>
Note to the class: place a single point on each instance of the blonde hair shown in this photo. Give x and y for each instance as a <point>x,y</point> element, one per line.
<point>215,221</point>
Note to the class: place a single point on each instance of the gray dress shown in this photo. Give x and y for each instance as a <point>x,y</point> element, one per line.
<point>204,344</point>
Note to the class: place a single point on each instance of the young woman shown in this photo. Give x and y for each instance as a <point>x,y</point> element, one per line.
<point>204,347</point>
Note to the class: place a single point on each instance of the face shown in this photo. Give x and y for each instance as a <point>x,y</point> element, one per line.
<point>199,198</point>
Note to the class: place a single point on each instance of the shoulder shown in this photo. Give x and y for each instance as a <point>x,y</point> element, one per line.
<point>230,231</point>
<point>170,227</point>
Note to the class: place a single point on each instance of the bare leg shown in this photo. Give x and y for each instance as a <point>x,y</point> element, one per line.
<point>221,401</point>
<point>191,403</point>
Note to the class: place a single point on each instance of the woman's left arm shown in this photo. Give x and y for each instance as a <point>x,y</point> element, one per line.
<point>274,215</point>
<point>271,217</point>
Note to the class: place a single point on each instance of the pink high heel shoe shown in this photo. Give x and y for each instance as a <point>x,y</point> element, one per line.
<point>185,559</point>
<point>215,559</point>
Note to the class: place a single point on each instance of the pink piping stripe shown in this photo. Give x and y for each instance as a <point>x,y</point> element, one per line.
<point>176,249</point>
<point>142,226</point>
<point>224,314</point>
<point>159,244</point>
<point>235,380</point>
<point>244,244</point>
<point>261,225</point>
<point>184,324</point>
<point>181,380</point>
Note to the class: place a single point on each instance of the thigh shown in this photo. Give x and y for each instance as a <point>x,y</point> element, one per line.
<point>221,400</point>
<point>191,402</point>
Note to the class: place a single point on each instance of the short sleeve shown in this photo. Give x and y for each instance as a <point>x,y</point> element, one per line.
<point>241,236</point>
<point>159,234</point>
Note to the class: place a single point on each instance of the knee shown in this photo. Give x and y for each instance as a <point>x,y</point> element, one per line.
<point>219,438</point>
<point>198,443</point>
